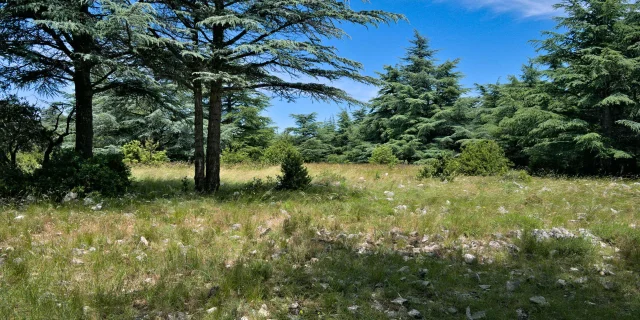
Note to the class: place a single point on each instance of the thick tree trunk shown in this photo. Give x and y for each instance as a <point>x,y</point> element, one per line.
<point>198,157</point>
<point>84,112</point>
<point>213,139</point>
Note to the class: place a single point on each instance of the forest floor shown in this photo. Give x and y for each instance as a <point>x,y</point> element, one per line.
<point>365,242</point>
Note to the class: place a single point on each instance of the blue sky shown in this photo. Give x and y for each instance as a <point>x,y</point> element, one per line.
<point>491,37</point>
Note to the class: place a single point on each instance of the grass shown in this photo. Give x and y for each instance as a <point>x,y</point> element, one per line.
<point>339,250</point>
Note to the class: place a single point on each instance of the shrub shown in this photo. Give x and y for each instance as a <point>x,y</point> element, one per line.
<point>517,175</point>
<point>294,174</point>
<point>483,158</point>
<point>446,167</point>
<point>337,159</point>
<point>144,153</point>
<point>13,182</point>
<point>275,154</point>
<point>67,171</point>
<point>234,157</point>
<point>383,155</point>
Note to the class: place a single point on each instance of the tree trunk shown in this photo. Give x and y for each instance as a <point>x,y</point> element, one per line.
<point>213,138</point>
<point>84,112</point>
<point>14,158</point>
<point>198,157</point>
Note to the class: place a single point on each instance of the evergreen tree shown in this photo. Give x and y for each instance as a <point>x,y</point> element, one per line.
<point>90,44</point>
<point>250,44</point>
<point>407,113</point>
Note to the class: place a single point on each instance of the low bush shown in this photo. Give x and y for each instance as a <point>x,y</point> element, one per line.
<point>337,159</point>
<point>13,182</point>
<point>294,174</point>
<point>235,157</point>
<point>517,175</point>
<point>67,171</point>
<point>143,153</point>
<point>383,155</point>
<point>275,153</point>
<point>446,168</point>
<point>483,158</point>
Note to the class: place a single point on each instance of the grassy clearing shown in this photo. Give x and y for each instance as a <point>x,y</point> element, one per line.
<point>341,250</point>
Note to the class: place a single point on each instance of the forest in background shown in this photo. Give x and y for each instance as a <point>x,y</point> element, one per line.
<point>190,81</point>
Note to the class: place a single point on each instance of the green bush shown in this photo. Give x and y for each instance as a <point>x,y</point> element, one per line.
<point>13,182</point>
<point>517,175</point>
<point>29,161</point>
<point>234,157</point>
<point>67,171</point>
<point>275,154</point>
<point>337,159</point>
<point>446,167</point>
<point>294,174</point>
<point>383,155</point>
<point>483,158</point>
<point>144,153</point>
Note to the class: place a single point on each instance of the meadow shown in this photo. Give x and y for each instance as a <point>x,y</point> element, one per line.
<point>363,242</point>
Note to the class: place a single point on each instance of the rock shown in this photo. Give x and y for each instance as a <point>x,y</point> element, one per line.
<point>400,301</point>
<point>263,312</point>
<point>88,202</point>
<point>18,218</point>
<point>503,210</point>
<point>263,231</point>
<point>70,197</point>
<point>391,314</point>
<point>539,300</point>
<point>212,310</point>
<point>469,258</point>
<point>415,314</point>
<point>485,287</point>
<point>97,207</point>
<point>403,269</point>
<point>422,273</point>
<point>77,261</point>
<point>144,241</point>
<point>401,208</point>
<point>452,310</point>
<point>294,308</point>
<point>475,315</point>
<point>236,227</point>
<point>581,280</point>
<point>522,315</point>
<point>389,194</point>
<point>495,244</point>
<point>353,309</point>
<point>561,283</point>
<point>512,285</point>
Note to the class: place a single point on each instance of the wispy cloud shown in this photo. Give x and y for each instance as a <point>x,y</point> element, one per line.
<point>526,8</point>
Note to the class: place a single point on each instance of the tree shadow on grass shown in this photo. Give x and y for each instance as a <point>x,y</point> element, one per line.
<point>318,278</point>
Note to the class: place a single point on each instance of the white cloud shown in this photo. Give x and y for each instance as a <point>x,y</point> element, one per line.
<point>526,8</point>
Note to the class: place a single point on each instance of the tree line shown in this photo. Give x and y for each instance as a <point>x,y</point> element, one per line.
<point>195,76</point>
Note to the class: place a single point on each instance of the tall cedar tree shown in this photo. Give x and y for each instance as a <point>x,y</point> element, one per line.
<point>593,63</point>
<point>269,45</point>
<point>91,44</point>
<point>406,112</point>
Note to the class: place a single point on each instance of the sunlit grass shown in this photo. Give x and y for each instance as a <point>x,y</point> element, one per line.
<point>252,245</point>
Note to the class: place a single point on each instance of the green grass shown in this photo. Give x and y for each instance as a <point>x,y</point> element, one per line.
<point>337,245</point>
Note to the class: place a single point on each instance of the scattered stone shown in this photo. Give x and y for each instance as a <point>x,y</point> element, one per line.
<point>70,197</point>
<point>539,300</point>
<point>141,256</point>
<point>263,312</point>
<point>475,315</point>
<point>144,241</point>
<point>495,244</point>
<point>77,261</point>
<point>18,218</point>
<point>581,280</point>
<point>236,227</point>
<point>452,310</point>
<point>294,308</point>
<point>400,208</point>
<point>400,301</point>
<point>503,210</point>
<point>263,231</point>
<point>415,314</point>
<point>485,287</point>
<point>561,283</point>
<point>469,258</point>
<point>212,310</point>
<point>97,207</point>
<point>353,309</point>
<point>522,315</point>
<point>389,194</point>
<point>391,314</point>
<point>608,285</point>
<point>513,285</point>
<point>403,269</point>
